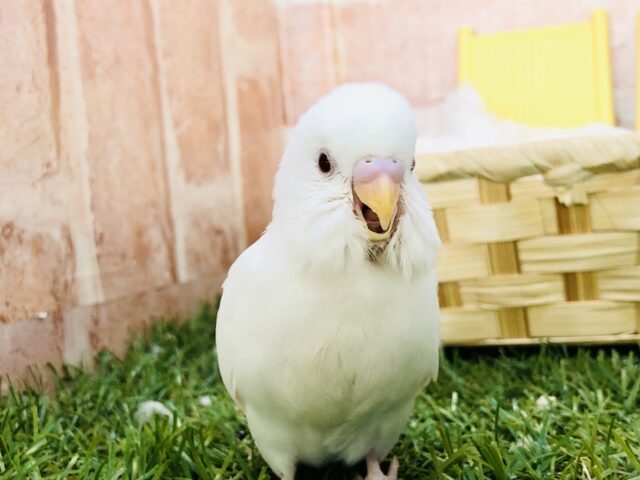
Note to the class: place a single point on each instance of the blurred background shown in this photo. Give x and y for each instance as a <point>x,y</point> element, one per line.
<point>138,139</point>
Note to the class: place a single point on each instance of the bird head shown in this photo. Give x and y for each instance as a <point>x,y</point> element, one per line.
<point>345,192</point>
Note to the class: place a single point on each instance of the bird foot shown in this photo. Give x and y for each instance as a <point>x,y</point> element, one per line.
<point>374,472</point>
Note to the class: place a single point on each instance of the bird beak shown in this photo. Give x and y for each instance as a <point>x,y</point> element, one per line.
<point>376,188</point>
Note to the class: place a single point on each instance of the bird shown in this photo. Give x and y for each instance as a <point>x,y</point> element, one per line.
<point>328,325</point>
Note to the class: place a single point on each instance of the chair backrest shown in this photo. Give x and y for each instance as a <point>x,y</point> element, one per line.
<point>556,76</point>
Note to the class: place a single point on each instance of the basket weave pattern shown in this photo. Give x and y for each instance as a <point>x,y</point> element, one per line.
<point>541,241</point>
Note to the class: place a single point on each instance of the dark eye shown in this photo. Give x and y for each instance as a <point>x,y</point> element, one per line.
<point>324,163</point>
<point>413,164</point>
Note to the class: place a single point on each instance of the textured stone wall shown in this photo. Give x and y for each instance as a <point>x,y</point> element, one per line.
<point>412,44</point>
<point>132,134</point>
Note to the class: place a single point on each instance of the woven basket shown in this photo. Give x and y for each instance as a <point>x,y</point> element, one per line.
<point>541,241</point>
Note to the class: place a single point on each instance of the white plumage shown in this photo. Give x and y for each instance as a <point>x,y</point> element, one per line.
<point>324,335</point>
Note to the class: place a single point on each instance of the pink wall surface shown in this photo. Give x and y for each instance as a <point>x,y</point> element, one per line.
<point>138,139</point>
<point>412,44</point>
<point>132,134</point>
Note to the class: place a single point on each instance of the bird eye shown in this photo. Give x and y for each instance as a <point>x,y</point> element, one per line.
<point>413,164</point>
<point>324,163</point>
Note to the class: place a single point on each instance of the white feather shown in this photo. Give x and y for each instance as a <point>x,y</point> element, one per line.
<point>146,410</point>
<point>323,349</point>
<point>463,122</point>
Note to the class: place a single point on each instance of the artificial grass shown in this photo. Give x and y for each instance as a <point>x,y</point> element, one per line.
<point>483,419</point>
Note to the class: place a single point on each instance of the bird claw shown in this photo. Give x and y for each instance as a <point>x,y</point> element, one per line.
<point>374,472</point>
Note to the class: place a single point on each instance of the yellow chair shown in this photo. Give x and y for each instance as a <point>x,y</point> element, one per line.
<point>556,76</point>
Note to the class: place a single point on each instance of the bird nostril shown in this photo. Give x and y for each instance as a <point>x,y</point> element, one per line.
<point>368,168</point>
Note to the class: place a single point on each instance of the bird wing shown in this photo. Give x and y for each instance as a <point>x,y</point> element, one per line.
<point>232,318</point>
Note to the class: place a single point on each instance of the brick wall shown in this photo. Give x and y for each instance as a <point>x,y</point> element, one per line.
<point>131,135</point>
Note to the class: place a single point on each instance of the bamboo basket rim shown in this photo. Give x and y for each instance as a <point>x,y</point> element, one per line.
<point>563,162</point>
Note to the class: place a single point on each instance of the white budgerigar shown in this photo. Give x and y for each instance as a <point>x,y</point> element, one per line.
<point>328,326</point>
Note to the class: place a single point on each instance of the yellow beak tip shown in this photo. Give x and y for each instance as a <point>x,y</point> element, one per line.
<point>381,196</point>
